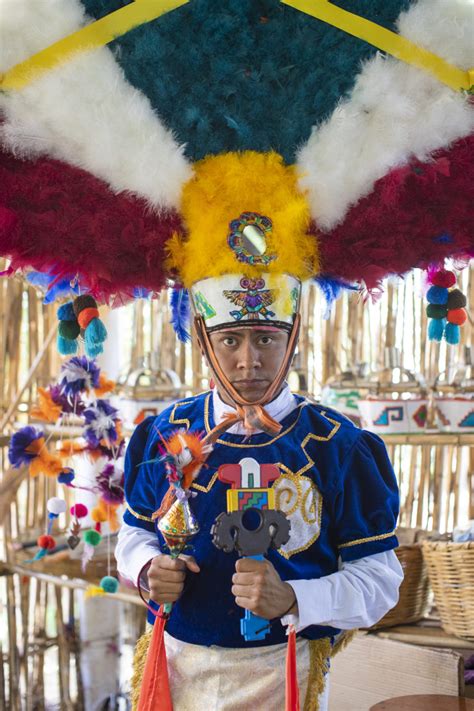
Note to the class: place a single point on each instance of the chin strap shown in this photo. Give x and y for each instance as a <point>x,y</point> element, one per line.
<point>252,414</point>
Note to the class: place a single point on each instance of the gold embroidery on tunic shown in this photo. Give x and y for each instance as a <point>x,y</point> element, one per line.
<point>300,499</point>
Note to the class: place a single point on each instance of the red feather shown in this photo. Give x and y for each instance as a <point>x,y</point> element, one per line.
<point>71,222</point>
<point>416,215</point>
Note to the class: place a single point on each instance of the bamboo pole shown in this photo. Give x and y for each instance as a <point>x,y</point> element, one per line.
<point>63,654</point>
<point>3,691</point>
<point>72,584</point>
<point>28,379</point>
<point>437,484</point>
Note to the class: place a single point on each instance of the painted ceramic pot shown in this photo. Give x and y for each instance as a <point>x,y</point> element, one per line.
<point>385,415</point>
<point>344,400</point>
<point>455,414</point>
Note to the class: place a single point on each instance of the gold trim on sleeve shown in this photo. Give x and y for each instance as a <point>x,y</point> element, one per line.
<point>318,438</point>
<point>137,515</point>
<point>367,540</point>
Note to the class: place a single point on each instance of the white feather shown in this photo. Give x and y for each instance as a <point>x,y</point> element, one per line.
<point>395,112</point>
<point>85,112</point>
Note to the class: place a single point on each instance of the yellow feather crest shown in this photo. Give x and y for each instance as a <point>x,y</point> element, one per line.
<point>222,188</point>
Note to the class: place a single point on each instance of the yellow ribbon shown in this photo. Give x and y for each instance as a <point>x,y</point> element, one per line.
<point>387,41</point>
<point>97,34</point>
<point>108,28</point>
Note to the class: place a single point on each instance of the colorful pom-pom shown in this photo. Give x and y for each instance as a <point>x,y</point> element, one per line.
<point>66,312</point>
<point>452,334</point>
<point>93,538</point>
<point>65,346</point>
<point>86,316</point>
<point>95,335</point>
<point>98,515</point>
<point>94,591</point>
<point>69,330</point>
<point>56,505</point>
<point>79,510</point>
<point>109,584</point>
<point>84,301</point>
<point>46,542</point>
<point>436,329</point>
<point>437,295</point>
<point>457,316</point>
<point>443,278</point>
<point>456,299</point>
<point>66,476</point>
<point>436,311</point>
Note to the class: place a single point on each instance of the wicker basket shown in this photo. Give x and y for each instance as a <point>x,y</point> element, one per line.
<point>451,572</point>
<point>414,590</point>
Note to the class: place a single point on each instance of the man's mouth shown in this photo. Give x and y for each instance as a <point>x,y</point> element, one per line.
<point>247,383</point>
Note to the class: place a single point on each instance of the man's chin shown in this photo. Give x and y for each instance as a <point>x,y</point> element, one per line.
<point>252,394</point>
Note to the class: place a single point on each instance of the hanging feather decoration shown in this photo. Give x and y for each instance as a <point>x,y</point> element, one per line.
<point>332,289</point>
<point>181,313</point>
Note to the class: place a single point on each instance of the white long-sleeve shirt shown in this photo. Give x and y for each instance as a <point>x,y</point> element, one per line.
<point>358,595</point>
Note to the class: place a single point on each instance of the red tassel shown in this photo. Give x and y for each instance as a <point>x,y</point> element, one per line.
<point>155,693</point>
<point>292,691</point>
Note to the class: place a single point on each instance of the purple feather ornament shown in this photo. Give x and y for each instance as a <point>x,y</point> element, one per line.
<point>101,420</point>
<point>110,483</point>
<point>19,443</point>
<point>77,375</point>
<point>71,404</point>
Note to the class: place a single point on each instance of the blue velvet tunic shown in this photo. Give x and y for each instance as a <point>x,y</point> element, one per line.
<point>337,486</point>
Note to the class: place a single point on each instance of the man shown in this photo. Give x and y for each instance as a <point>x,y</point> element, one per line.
<point>337,571</point>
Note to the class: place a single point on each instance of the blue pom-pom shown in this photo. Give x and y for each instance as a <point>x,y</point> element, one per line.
<point>437,295</point>
<point>66,346</point>
<point>95,334</point>
<point>66,476</point>
<point>180,313</point>
<point>109,584</point>
<point>66,312</point>
<point>452,334</point>
<point>436,329</point>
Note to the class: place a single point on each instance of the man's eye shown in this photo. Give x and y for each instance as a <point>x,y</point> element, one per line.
<point>265,340</point>
<point>229,341</point>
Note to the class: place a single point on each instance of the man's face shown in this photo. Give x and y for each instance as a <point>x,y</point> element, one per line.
<point>250,358</point>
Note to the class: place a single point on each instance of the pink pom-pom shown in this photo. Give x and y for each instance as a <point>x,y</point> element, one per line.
<point>79,510</point>
<point>443,278</point>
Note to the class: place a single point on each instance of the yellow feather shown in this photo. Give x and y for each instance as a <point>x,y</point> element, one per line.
<point>222,188</point>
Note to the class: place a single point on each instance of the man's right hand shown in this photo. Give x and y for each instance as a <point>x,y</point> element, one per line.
<point>166,577</point>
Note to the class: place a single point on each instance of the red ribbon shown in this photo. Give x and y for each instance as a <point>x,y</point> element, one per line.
<point>155,692</point>
<point>292,691</point>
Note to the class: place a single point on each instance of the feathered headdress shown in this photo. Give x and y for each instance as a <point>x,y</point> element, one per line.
<point>319,147</point>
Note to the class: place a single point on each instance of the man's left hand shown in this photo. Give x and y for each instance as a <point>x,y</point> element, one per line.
<point>258,587</point>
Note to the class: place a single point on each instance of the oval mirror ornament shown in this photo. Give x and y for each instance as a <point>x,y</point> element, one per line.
<point>248,238</point>
<point>253,240</point>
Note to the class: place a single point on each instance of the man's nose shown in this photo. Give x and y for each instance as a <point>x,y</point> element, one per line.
<point>248,356</point>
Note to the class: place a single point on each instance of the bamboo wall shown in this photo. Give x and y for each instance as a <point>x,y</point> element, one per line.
<point>436,473</point>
